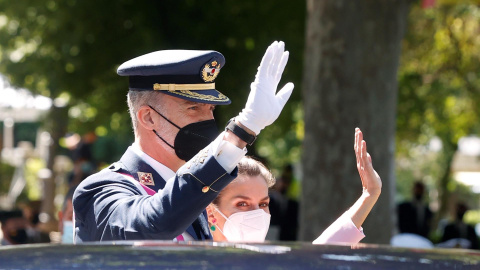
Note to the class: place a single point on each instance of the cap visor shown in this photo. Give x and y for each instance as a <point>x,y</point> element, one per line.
<point>202,96</point>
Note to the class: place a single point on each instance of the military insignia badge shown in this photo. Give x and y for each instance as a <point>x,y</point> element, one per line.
<point>145,178</point>
<point>210,71</point>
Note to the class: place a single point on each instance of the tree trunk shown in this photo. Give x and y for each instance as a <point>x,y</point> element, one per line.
<point>350,80</point>
<point>448,153</point>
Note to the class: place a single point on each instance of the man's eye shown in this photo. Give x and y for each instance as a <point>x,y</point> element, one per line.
<point>242,204</point>
<point>193,108</point>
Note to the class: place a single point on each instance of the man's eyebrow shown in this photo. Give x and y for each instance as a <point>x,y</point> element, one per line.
<point>189,102</point>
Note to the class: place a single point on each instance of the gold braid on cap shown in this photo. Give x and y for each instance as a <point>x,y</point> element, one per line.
<point>183,87</point>
<point>190,94</point>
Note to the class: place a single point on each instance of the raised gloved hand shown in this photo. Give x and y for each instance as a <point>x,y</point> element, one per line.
<point>264,104</point>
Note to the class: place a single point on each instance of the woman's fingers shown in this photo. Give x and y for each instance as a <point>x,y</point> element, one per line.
<point>355,140</point>
<point>356,147</point>
<point>362,150</point>
<point>364,153</point>
<point>364,163</point>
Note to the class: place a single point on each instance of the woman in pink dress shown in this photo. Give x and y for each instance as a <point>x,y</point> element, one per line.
<point>240,213</point>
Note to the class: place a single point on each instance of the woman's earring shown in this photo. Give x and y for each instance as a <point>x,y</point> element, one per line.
<point>213,228</point>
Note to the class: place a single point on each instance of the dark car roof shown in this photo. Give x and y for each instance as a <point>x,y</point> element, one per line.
<point>213,255</point>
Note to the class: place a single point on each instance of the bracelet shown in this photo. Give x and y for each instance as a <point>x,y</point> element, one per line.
<point>240,132</point>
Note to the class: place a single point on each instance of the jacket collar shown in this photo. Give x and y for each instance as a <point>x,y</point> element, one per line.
<point>137,167</point>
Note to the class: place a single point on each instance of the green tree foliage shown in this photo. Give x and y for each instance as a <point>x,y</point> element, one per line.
<point>6,174</point>
<point>71,49</point>
<point>439,88</point>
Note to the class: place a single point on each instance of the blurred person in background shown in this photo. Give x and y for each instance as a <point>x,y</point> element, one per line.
<point>14,227</point>
<point>84,163</point>
<point>65,218</point>
<point>284,209</point>
<point>31,212</point>
<point>458,229</point>
<point>415,216</point>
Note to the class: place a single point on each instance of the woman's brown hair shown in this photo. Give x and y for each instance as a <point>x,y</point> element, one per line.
<point>249,166</point>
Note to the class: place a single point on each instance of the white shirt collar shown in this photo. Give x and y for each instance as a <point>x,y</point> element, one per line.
<point>161,169</point>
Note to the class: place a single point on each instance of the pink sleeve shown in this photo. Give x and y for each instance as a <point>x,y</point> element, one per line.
<point>342,231</point>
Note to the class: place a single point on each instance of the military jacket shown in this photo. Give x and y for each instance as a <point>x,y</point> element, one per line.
<point>110,205</point>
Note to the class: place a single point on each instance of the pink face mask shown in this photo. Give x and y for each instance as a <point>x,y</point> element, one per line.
<point>249,226</point>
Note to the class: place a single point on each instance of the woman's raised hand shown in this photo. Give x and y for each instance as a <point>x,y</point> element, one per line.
<point>371,182</point>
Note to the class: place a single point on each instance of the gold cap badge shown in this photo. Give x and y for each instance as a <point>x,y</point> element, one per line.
<point>210,71</point>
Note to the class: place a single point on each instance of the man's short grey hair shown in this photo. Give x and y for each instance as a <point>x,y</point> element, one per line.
<point>137,99</point>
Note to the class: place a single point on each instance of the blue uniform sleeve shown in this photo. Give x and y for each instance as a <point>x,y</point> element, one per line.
<point>109,207</point>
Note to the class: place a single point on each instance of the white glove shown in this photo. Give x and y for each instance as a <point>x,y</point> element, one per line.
<point>264,104</point>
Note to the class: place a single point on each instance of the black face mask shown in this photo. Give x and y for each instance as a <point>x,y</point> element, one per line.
<point>18,237</point>
<point>191,138</point>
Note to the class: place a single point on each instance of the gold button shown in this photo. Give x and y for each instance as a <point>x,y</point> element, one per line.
<point>205,189</point>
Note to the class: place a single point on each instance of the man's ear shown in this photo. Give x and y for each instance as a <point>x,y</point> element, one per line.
<point>145,119</point>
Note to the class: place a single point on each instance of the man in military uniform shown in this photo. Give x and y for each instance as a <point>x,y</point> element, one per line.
<point>178,163</point>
